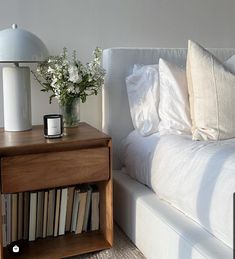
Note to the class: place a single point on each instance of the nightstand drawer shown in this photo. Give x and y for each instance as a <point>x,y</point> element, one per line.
<point>47,170</point>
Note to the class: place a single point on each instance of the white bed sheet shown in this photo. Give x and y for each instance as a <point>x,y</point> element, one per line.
<point>196,177</point>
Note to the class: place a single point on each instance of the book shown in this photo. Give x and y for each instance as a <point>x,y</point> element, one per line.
<point>26,216</point>
<point>57,212</point>
<point>45,212</point>
<point>81,210</point>
<point>95,200</point>
<point>32,216</point>
<point>51,211</point>
<point>39,224</point>
<point>4,221</point>
<point>8,215</point>
<point>20,215</point>
<point>69,208</point>
<point>88,208</point>
<point>14,217</point>
<point>75,209</point>
<point>63,207</point>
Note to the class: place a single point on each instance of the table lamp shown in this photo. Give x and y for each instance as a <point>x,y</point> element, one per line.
<point>18,46</point>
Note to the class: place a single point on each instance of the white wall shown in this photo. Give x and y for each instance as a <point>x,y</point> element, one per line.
<point>85,24</point>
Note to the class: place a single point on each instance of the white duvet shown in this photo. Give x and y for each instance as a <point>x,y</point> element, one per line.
<point>197,177</point>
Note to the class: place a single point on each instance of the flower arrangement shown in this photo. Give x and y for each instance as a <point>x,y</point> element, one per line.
<point>68,80</point>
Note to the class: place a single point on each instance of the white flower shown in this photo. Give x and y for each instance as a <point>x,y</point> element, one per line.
<point>65,62</point>
<point>57,93</point>
<point>54,83</point>
<point>50,70</point>
<point>74,76</point>
<point>71,89</point>
<point>62,76</point>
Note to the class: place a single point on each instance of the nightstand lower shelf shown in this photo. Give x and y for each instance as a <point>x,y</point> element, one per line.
<point>63,246</point>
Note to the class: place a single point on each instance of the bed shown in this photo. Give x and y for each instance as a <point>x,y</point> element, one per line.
<point>159,228</point>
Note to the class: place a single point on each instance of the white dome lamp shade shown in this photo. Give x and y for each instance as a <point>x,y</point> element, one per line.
<point>18,46</point>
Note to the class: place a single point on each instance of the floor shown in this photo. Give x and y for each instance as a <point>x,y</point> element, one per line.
<point>123,248</point>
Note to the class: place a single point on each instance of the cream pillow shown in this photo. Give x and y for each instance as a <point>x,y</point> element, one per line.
<point>212,95</point>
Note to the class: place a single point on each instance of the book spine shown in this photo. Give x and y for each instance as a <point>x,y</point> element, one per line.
<point>26,216</point>
<point>51,211</point>
<point>20,215</point>
<point>69,208</point>
<point>57,212</point>
<point>87,210</point>
<point>63,207</point>
<point>95,211</point>
<point>75,211</point>
<point>14,218</point>
<point>32,216</point>
<point>4,223</point>
<point>39,225</point>
<point>45,213</point>
<point>81,212</point>
<point>8,213</point>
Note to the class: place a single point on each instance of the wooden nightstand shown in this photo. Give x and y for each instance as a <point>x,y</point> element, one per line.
<point>31,162</point>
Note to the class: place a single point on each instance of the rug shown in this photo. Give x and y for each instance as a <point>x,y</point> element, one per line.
<point>122,248</point>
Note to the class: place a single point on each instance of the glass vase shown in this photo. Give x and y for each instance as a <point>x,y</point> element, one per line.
<point>71,113</point>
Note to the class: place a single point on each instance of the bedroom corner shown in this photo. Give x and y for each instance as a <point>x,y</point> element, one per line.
<point>117,129</point>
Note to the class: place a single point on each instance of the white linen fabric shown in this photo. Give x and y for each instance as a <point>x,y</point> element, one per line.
<point>195,177</point>
<point>212,95</point>
<point>118,63</point>
<point>143,95</point>
<point>174,111</point>
<point>158,229</point>
<point>138,155</point>
<point>139,66</point>
<point>230,64</point>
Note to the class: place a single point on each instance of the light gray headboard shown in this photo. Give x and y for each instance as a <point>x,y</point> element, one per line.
<point>118,63</point>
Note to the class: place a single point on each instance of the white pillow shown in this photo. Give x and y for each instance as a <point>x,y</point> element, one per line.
<point>143,95</point>
<point>212,95</point>
<point>174,111</point>
<point>137,67</point>
<point>230,64</point>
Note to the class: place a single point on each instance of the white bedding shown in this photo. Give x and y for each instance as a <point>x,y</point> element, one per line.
<point>198,178</point>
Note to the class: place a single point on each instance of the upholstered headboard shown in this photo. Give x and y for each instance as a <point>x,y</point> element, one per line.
<point>118,63</point>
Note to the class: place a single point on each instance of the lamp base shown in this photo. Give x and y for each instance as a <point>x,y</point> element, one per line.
<point>17,98</point>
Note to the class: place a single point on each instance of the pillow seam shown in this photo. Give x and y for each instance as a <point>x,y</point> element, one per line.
<point>217,103</point>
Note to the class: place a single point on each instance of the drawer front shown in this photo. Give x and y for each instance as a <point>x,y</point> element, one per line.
<point>48,170</point>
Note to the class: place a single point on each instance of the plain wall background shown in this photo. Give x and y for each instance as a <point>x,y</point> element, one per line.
<point>84,24</point>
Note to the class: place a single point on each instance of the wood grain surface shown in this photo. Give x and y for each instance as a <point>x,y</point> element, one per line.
<point>31,162</point>
<point>61,246</point>
<point>48,170</point>
<point>33,141</point>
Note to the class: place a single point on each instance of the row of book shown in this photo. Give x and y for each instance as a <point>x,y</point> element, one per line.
<point>38,214</point>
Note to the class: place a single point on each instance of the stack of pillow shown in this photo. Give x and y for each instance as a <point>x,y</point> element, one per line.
<point>198,101</point>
